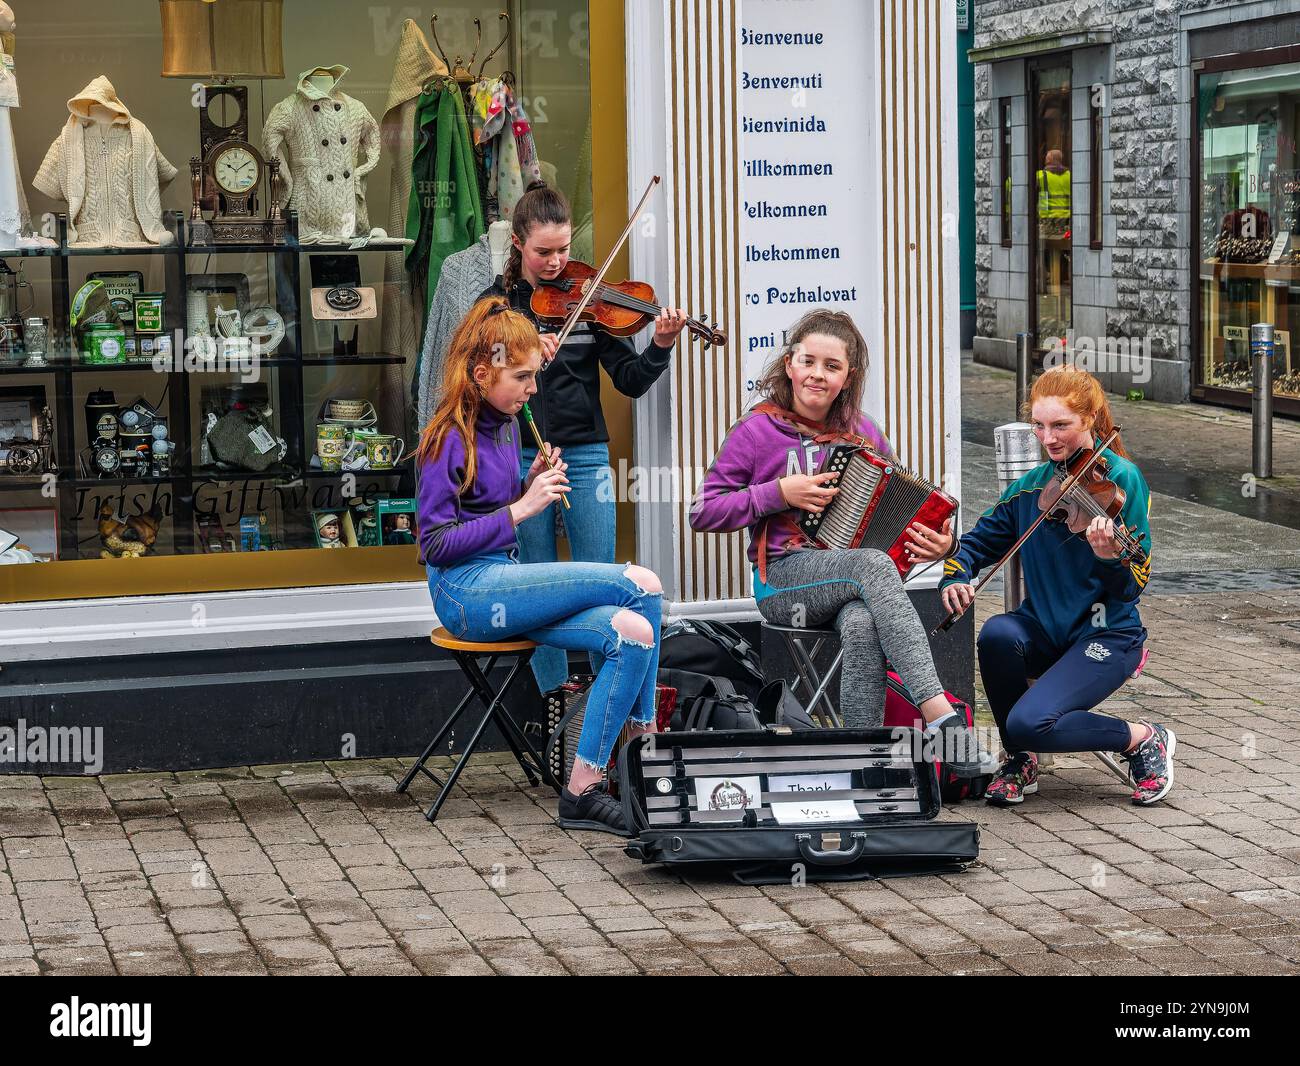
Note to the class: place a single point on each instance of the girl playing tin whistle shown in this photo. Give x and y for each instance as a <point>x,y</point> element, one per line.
<point>471,502</point>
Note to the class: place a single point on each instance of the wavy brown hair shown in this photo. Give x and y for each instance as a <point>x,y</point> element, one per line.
<point>490,335</point>
<point>1081,393</point>
<point>775,384</point>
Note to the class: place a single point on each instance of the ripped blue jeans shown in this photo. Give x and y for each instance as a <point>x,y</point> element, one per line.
<point>565,605</point>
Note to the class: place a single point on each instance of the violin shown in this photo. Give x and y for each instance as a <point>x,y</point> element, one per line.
<point>620,308</point>
<point>1093,495</point>
<point>1074,495</point>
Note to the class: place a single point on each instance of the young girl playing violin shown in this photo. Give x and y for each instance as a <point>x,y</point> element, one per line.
<point>472,499</point>
<point>567,405</point>
<point>1078,631</point>
<point>765,474</point>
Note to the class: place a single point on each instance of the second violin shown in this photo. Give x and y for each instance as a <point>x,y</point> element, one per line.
<point>621,308</point>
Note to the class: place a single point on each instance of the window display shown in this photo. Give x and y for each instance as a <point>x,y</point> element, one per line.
<point>1051,307</point>
<point>205,370</point>
<point>1249,193</point>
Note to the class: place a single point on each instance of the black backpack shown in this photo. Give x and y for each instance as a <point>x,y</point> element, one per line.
<point>714,649</point>
<point>710,702</point>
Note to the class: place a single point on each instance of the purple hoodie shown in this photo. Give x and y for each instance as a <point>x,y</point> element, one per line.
<point>740,488</point>
<point>456,528</point>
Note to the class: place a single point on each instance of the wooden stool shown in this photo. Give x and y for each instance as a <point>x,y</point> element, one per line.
<point>467,654</point>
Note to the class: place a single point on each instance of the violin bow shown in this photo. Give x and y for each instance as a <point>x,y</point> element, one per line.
<point>1071,481</point>
<point>594,287</point>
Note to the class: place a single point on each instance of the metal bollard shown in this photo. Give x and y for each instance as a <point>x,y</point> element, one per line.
<point>1015,453</point>
<point>1261,401</point>
<point>1023,345</point>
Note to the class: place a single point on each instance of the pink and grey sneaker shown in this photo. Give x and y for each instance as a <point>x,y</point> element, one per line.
<point>1017,779</point>
<point>1151,766</point>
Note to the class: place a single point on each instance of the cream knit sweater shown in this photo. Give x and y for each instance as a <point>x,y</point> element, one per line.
<point>327,143</point>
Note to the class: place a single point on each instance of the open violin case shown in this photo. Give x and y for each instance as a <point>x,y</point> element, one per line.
<point>776,807</point>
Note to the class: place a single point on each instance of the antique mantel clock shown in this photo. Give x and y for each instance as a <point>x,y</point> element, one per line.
<point>234,170</point>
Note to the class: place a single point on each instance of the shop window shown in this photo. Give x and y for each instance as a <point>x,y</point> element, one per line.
<point>1096,102</point>
<point>195,395</point>
<point>1004,167</point>
<point>1248,184</point>
<point>1051,204</point>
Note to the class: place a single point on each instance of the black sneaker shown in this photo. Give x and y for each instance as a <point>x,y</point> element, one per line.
<point>595,809</point>
<point>959,748</point>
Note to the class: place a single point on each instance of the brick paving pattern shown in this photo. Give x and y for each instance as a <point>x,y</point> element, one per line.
<point>323,868</point>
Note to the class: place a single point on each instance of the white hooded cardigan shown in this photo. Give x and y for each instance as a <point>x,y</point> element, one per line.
<point>133,216</point>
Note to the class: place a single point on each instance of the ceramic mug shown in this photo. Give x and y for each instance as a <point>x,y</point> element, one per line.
<point>384,451</point>
<point>330,443</point>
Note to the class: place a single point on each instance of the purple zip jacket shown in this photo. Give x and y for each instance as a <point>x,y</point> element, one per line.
<point>741,486</point>
<point>456,528</point>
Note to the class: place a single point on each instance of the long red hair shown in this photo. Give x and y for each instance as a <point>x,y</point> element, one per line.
<point>1081,393</point>
<point>490,335</point>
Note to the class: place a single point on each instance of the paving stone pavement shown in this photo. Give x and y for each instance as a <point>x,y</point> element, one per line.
<point>324,869</point>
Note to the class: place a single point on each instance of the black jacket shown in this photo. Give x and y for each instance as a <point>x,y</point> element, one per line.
<point>567,405</point>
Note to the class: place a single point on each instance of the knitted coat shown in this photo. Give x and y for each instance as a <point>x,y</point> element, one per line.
<point>465,274</point>
<point>327,142</point>
<point>107,167</point>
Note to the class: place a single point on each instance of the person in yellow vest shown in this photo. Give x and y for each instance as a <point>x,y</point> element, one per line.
<point>1054,188</point>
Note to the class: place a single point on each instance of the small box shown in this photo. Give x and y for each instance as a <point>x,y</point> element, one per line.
<point>148,308</point>
<point>396,521</point>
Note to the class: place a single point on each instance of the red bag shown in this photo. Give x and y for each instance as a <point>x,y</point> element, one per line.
<point>900,711</point>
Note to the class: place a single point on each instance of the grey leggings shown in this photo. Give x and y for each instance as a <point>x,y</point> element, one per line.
<point>859,588</point>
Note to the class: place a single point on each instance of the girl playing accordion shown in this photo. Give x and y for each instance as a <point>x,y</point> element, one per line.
<point>765,474</point>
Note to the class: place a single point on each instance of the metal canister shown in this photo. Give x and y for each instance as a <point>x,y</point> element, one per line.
<point>1015,452</point>
<point>36,337</point>
<point>104,343</point>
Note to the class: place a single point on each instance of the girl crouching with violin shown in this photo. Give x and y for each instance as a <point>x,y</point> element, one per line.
<point>765,474</point>
<point>567,407</point>
<point>472,499</point>
<point>1078,631</point>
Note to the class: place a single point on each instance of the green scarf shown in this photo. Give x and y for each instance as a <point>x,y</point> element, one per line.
<point>444,213</point>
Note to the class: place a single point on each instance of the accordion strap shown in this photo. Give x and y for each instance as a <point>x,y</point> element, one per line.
<point>817,430</point>
<point>820,435</point>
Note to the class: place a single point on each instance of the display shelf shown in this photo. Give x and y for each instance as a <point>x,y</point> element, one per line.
<point>91,482</point>
<point>286,387</point>
<point>13,483</point>
<point>20,369</point>
<point>271,473</point>
<point>31,253</point>
<point>325,475</point>
<point>352,360</point>
<point>77,367</point>
<point>130,249</point>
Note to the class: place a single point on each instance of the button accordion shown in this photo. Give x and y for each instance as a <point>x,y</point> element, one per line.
<point>876,503</point>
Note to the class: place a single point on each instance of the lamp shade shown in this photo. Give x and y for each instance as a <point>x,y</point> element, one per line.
<point>222,38</point>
